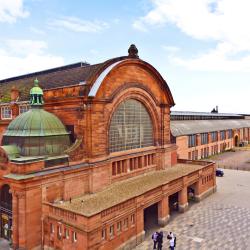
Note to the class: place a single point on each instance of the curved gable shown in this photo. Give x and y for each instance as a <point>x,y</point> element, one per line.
<point>114,65</point>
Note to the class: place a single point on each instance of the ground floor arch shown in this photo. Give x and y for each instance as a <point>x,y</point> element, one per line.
<point>5,212</point>
<point>236,140</point>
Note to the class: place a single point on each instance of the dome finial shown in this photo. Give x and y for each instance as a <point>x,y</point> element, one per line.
<point>133,51</point>
<point>36,94</point>
<point>36,82</point>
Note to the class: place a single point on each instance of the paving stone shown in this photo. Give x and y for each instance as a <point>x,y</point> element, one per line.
<point>216,224</point>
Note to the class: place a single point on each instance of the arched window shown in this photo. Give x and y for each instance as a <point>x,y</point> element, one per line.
<point>131,127</point>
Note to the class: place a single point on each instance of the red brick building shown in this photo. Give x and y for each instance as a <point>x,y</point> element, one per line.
<point>199,135</point>
<point>91,161</point>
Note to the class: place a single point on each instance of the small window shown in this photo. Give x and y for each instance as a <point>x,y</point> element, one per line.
<point>59,232</point>
<point>66,233</point>
<point>111,231</point>
<point>74,237</point>
<point>125,223</point>
<point>52,229</point>
<point>104,233</point>
<point>119,226</point>
<point>6,112</point>
<point>23,109</point>
<point>132,219</point>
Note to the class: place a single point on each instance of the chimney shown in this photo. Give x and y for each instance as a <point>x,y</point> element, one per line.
<point>217,109</point>
<point>14,94</point>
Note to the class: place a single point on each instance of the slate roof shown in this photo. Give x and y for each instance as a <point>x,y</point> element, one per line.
<point>48,79</point>
<point>188,127</point>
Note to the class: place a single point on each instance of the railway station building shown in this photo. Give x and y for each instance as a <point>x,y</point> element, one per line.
<point>87,159</point>
<point>199,135</point>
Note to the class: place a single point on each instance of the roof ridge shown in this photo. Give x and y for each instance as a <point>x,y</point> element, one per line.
<point>47,71</point>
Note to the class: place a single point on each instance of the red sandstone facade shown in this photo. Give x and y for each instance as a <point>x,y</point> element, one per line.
<point>77,204</point>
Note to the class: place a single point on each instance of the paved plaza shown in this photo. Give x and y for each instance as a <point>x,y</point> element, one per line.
<point>240,159</point>
<point>221,221</point>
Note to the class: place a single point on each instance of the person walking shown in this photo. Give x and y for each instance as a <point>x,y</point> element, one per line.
<point>154,238</point>
<point>160,240</point>
<point>172,243</point>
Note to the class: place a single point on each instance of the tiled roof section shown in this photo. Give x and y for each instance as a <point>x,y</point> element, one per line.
<point>48,79</point>
<point>89,205</point>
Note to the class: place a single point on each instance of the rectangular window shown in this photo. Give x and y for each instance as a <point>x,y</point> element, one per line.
<point>230,133</point>
<point>52,229</point>
<point>214,136</point>
<point>113,168</point>
<point>222,135</point>
<point>189,155</point>
<point>111,231</point>
<point>74,237</point>
<point>132,219</point>
<point>119,226</point>
<point>66,233</point>
<point>125,223</point>
<point>6,112</point>
<point>23,108</point>
<point>191,141</point>
<point>104,234</point>
<point>204,138</point>
<point>59,232</point>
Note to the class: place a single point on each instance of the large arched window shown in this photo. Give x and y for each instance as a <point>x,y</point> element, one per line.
<point>131,127</point>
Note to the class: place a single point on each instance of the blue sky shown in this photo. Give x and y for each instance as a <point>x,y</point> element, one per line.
<point>201,47</point>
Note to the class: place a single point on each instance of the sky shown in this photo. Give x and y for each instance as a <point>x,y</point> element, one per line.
<point>201,47</point>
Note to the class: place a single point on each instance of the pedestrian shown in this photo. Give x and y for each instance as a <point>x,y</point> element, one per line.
<point>172,243</point>
<point>160,240</point>
<point>154,238</point>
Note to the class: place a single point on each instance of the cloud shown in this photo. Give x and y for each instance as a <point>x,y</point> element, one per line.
<point>223,21</point>
<point>37,31</point>
<point>79,25</point>
<point>171,49</point>
<point>19,57</point>
<point>10,10</point>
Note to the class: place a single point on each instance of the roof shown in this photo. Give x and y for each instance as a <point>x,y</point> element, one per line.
<point>58,77</point>
<point>188,127</point>
<point>206,115</point>
<point>72,75</point>
<point>91,204</point>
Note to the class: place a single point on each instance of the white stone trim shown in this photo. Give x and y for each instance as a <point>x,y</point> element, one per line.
<point>98,82</point>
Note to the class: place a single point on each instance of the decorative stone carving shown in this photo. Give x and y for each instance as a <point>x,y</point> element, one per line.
<point>133,51</point>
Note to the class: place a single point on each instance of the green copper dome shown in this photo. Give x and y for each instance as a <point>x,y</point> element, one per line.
<point>37,132</point>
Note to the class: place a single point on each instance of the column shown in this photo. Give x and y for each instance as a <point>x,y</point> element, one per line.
<point>14,221</point>
<point>163,211</point>
<point>21,221</point>
<point>198,190</point>
<point>183,200</point>
<point>139,220</point>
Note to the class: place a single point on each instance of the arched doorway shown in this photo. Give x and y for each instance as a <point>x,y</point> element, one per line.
<point>5,212</point>
<point>236,140</point>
